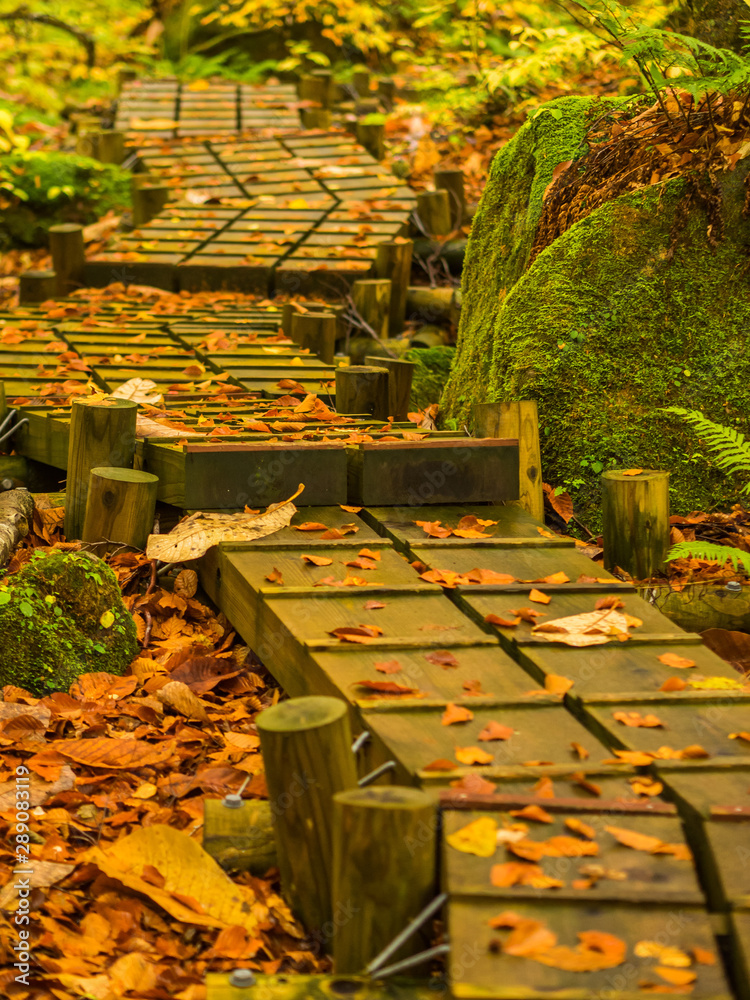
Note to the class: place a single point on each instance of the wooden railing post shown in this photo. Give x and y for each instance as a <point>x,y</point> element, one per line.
<point>68,256</point>
<point>120,508</point>
<point>434,212</point>
<point>36,286</point>
<point>400,375</point>
<point>635,516</point>
<point>315,332</point>
<point>517,420</point>
<point>393,261</point>
<point>372,300</point>
<point>362,389</point>
<point>306,745</point>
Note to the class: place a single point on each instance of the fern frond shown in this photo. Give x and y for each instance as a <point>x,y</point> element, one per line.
<point>710,552</point>
<point>730,447</point>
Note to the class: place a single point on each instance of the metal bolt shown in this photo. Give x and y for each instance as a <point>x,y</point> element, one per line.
<point>734,587</point>
<point>242,978</point>
<point>233,800</point>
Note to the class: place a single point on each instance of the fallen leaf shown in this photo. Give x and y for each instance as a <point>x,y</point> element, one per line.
<point>316,560</point>
<point>275,577</point>
<point>473,755</point>
<point>539,597</point>
<point>534,813</point>
<point>528,614</point>
<point>474,784</point>
<point>442,658</point>
<point>454,714</point>
<point>556,684</point>
<point>673,684</point>
<point>666,954</point>
<point>637,721</point>
<point>578,826</point>
<point>673,660</point>
<point>178,696</point>
<point>745,737</point>
<point>643,785</point>
<point>502,622</point>
<point>477,838</point>
<point>632,472</point>
<point>677,977</point>
<point>556,847</point>
<point>388,666</point>
<point>310,526</point>
<point>386,687</point>
<point>494,731</point>
<point>373,605</point>
<point>582,752</point>
<point>441,764</point>
<point>702,956</point>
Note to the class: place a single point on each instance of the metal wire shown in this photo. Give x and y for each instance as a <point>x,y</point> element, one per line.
<point>411,928</point>
<point>373,775</point>
<point>409,963</point>
<point>13,429</point>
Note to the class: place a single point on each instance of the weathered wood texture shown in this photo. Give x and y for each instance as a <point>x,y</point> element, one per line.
<point>400,375</point>
<point>635,513</point>
<point>16,514</point>
<point>518,420</point>
<point>240,838</point>
<point>120,507</point>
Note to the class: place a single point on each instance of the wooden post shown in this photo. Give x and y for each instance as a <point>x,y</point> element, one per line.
<point>362,389</point>
<point>452,181</point>
<point>68,256</point>
<point>371,135</point>
<point>434,212</point>
<point>517,420</point>
<point>433,304</point>
<point>240,838</point>
<point>111,147</point>
<point>101,434</point>
<point>429,336</point>
<point>36,286</point>
<point>3,404</point>
<point>393,261</point>
<point>306,745</point>
<point>119,508</point>
<point>635,516</point>
<point>87,142</point>
<point>372,300</point>
<point>326,78</point>
<point>316,331</point>
<point>315,87</point>
<point>148,201</point>
<point>384,870</point>
<point>387,91</point>
<point>400,374</point>
<point>125,76</point>
<point>361,80</point>
<point>316,118</point>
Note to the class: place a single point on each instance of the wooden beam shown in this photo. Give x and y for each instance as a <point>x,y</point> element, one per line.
<point>635,515</point>
<point>517,420</point>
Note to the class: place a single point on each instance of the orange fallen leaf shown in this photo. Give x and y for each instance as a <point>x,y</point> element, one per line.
<point>373,605</point>
<point>310,526</point>
<point>442,658</point>
<point>544,788</point>
<point>386,687</point>
<point>369,554</point>
<point>637,721</point>
<point>528,614</point>
<point>441,764</point>
<point>539,597</point>
<point>317,560</point>
<point>673,684</point>
<point>703,956</point>
<point>632,472</point>
<point>502,622</point>
<point>740,736</point>
<point>275,577</point>
<point>474,784</point>
<point>556,847</point>
<point>611,601</point>
<point>388,666</point>
<point>677,977</point>
<point>454,714</point>
<point>643,785</point>
<point>555,578</point>
<point>578,826</point>
<point>673,660</point>
<point>473,755</point>
<point>557,684</point>
<point>495,731</point>
<point>582,752</point>
<point>534,813</point>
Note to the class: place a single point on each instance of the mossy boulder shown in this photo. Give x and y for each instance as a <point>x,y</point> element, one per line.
<point>630,310</point>
<point>39,190</point>
<point>433,365</point>
<point>62,615</point>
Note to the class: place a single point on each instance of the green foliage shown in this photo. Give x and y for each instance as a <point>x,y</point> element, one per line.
<point>710,552</point>
<point>38,190</point>
<point>730,447</point>
<point>433,365</point>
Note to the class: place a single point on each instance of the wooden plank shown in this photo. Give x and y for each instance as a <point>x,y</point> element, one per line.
<point>740,937</point>
<point>302,987</point>
<point>426,472</point>
<point>636,875</point>
<point>479,968</point>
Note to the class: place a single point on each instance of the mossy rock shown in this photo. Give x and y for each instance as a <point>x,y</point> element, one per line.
<point>62,615</point>
<point>433,366</point>
<point>628,311</point>
<point>45,189</point>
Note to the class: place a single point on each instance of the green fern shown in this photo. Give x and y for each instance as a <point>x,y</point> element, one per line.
<point>711,553</point>
<point>730,447</point>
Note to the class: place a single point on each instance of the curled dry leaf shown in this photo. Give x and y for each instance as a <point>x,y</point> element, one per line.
<point>195,535</point>
<point>178,696</point>
<point>316,560</point>
<point>673,660</point>
<point>637,721</point>
<point>357,633</point>
<point>501,622</point>
<point>557,684</point>
<point>579,827</point>
<point>591,628</point>
<point>533,812</point>
<point>582,752</point>
<point>494,731</point>
<point>388,667</point>
<point>275,577</point>
<point>186,583</point>
<point>474,784</point>
<point>442,658</point>
<point>386,687</point>
<point>473,755</point>
<point>373,605</point>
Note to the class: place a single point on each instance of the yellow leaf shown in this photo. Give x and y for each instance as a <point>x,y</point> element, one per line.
<point>107,619</point>
<point>479,837</point>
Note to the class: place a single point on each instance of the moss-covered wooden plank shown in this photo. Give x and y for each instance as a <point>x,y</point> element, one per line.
<point>716,787</point>
<point>478,967</point>
<point>299,987</point>
<point>579,785</point>
<point>542,735</point>
<point>635,876</point>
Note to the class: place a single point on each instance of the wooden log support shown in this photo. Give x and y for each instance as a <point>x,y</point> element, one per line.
<point>431,305</point>
<point>101,434</point>
<point>316,332</point>
<point>429,336</point>
<point>111,147</point>
<point>384,870</point>
<point>362,389</point>
<point>372,136</point>
<point>125,76</point>
<point>36,286</point>
<point>326,78</point>
<point>240,838</point>
<point>400,375</point>
<point>434,212</point>
<point>517,420</point>
<point>393,261</point>
<point>3,403</point>
<point>16,515</point>
<point>148,201</point>
<point>372,300</point>
<point>315,87</point>
<point>68,256</point>
<point>635,517</point>
<point>306,745</point>
<point>316,118</point>
<point>452,181</point>
<point>387,92</point>
<point>361,80</point>
<point>87,142</point>
<point>119,508</point>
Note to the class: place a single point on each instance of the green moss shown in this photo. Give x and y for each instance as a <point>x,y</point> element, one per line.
<point>44,189</point>
<point>433,365</point>
<point>618,318</point>
<point>52,627</point>
<point>502,233</point>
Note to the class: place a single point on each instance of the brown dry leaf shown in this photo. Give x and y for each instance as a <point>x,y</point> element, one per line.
<point>673,684</point>
<point>557,684</point>
<point>673,660</point>
<point>582,752</point>
<point>196,534</point>
<point>186,583</point>
<point>316,560</point>
<point>474,784</point>
<point>502,622</point>
<point>534,813</point>
<point>637,721</point>
<point>588,629</point>
<point>632,472</point>
<point>555,847</point>
<point>611,601</point>
<point>103,751</point>
<point>387,687</point>
<point>441,764</point>
<point>479,838</point>
<point>528,614</point>
<point>373,605</point>
<point>454,714</point>
<point>310,526</point>
<point>434,529</point>
<point>357,633</point>
<point>519,873</point>
<point>178,696</point>
<point>43,874</point>
<point>275,577</point>
<point>539,597</point>
<point>473,755</point>
<point>495,731</point>
<point>745,737</point>
<point>702,956</point>
<point>677,977</point>
<point>442,658</point>
<point>643,785</point>
<point>388,666</point>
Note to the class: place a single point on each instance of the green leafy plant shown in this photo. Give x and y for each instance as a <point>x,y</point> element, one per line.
<point>731,453</point>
